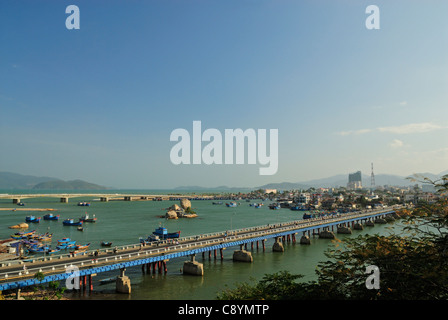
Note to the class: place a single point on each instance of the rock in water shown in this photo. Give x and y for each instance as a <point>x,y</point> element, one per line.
<point>171,214</point>
<point>185,203</point>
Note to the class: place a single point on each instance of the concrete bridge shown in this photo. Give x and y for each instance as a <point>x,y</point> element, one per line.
<point>64,197</point>
<point>155,255</point>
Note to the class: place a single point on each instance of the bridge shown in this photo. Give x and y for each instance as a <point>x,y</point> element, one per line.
<point>17,274</point>
<point>64,197</point>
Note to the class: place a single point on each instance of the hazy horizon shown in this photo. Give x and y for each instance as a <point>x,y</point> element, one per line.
<point>99,103</point>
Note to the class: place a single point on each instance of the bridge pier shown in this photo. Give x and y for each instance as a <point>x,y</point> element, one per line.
<point>104,199</point>
<point>193,267</point>
<point>326,234</point>
<point>15,200</point>
<point>123,283</point>
<point>358,226</point>
<point>344,230</point>
<point>64,199</point>
<point>278,246</point>
<point>242,255</point>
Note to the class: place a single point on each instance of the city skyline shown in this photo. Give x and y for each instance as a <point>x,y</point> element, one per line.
<point>99,103</point>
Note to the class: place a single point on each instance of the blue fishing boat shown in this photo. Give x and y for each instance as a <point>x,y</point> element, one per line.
<point>71,222</point>
<point>65,243</point>
<point>52,251</point>
<point>164,234</point>
<point>32,219</point>
<point>51,216</point>
<point>307,216</point>
<point>231,204</point>
<point>274,206</point>
<point>38,249</point>
<point>83,204</point>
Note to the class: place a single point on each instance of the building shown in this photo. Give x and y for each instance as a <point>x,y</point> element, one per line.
<point>354,180</point>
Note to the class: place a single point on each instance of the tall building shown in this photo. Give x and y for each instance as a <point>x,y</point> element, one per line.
<point>354,180</point>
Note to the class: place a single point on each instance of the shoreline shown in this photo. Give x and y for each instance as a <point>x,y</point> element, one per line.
<point>27,209</point>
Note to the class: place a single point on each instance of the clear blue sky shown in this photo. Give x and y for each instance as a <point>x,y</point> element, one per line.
<point>99,103</point>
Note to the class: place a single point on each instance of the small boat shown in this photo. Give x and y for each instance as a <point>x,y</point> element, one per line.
<point>108,280</point>
<point>22,235</point>
<point>307,216</point>
<point>274,206</point>
<point>217,203</point>
<point>52,251</point>
<point>32,219</point>
<point>64,240</point>
<point>83,204</point>
<point>66,244</point>
<point>82,247</point>
<point>38,249</point>
<point>231,204</point>
<point>71,222</point>
<point>86,218</point>
<point>106,243</point>
<point>43,237</point>
<point>20,204</point>
<point>51,216</point>
<point>80,228</point>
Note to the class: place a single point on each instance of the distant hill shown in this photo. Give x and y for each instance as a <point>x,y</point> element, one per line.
<point>342,179</point>
<point>9,180</point>
<point>68,185</point>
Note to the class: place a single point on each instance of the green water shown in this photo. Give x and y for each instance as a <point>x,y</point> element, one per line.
<point>123,222</point>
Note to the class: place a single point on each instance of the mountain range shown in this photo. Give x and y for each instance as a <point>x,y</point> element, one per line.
<point>9,180</point>
<point>342,179</point>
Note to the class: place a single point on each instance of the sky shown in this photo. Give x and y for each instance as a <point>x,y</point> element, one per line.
<point>99,103</point>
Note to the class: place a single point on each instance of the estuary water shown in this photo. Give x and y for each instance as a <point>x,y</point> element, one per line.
<point>124,222</point>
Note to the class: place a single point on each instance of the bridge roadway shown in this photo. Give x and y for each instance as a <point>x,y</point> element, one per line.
<point>64,197</point>
<point>20,273</point>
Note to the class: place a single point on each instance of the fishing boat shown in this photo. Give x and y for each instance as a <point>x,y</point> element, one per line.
<point>86,218</point>
<point>164,234</point>
<point>217,203</point>
<point>32,219</point>
<point>106,243</point>
<point>80,248</point>
<point>38,249</point>
<point>80,228</point>
<point>71,222</point>
<point>64,240</point>
<point>52,251</point>
<point>51,216</point>
<point>231,204</point>
<point>83,204</point>
<point>65,243</point>
<point>43,237</point>
<point>22,235</point>
<point>307,216</point>
<point>274,206</point>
